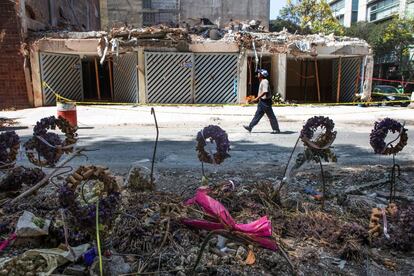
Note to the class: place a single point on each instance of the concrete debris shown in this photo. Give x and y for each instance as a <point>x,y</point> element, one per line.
<point>242,34</point>
<point>31,226</point>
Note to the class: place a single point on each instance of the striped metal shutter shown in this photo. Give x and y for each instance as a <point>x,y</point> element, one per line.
<point>169,77</point>
<point>63,74</point>
<point>350,78</point>
<point>216,77</point>
<point>126,78</point>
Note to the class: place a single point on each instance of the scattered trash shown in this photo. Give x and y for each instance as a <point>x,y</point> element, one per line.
<point>41,261</point>
<point>4,244</point>
<point>31,226</point>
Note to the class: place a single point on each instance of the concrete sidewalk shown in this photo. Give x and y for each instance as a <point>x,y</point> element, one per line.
<point>115,115</point>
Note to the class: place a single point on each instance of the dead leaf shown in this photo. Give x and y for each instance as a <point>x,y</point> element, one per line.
<point>251,258</point>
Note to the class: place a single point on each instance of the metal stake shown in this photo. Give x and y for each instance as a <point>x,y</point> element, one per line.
<point>323,184</point>
<point>155,146</point>
<point>287,165</point>
<point>395,168</point>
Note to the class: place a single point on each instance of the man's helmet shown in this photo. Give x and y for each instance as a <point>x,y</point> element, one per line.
<point>263,72</point>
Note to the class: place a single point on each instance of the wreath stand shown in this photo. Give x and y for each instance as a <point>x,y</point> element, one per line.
<point>378,135</point>
<point>395,169</point>
<point>314,147</point>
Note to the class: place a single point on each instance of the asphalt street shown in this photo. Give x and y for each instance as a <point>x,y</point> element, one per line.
<point>121,136</point>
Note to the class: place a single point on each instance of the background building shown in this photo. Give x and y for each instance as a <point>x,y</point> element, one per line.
<point>139,13</point>
<point>351,11</point>
<point>346,11</point>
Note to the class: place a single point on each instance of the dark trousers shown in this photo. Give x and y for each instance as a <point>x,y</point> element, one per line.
<point>265,106</point>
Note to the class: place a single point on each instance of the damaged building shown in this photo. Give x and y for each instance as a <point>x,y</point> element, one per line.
<point>142,13</point>
<point>165,65</point>
<point>197,65</point>
<point>18,19</point>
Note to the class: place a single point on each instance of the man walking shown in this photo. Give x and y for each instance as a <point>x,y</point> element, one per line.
<point>265,104</point>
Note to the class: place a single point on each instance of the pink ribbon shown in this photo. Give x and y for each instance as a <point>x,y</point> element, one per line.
<point>259,231</point>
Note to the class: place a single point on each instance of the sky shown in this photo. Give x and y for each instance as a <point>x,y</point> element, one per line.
<point>275,6</point>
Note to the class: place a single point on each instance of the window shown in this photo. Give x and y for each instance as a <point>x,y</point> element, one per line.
<point>354,17</point>
<point>383,9</point>
<point>338,7</point>
<point>147,4</point>
<point>148,19</point>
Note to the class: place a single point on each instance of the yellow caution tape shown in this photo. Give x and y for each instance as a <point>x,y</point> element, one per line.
<point>61,98</point>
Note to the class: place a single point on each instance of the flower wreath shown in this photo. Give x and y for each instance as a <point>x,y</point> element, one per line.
<point>105,190</point>
<point>310,127</point>
<point>9,147</point>
<point>49,145</point>
<point>15,178</point>
<point>219,136</point>
<point>318,148</point>
<point>380,131</point>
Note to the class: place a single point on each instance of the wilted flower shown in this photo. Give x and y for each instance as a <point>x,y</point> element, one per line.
<point>219,136</point>
<point>380,132</point>
<point>9,145</point>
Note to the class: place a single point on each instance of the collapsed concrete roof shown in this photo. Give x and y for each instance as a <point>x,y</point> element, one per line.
<point>120,39</point>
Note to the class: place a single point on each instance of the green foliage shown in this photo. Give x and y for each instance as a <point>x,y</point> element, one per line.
<point>311,16</point>
<point>279,24</point>
<point>392,37</point>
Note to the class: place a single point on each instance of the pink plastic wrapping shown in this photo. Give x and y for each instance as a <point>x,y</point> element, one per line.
<point>259,231</point>
<point>5,244</point>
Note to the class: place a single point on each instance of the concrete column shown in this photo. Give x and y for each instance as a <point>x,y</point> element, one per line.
<point>142,85</point>
<point>369,70</point>
<point>36,78</point>
<point>274,72</point>
<point>52,13</point>
<point>403,8</point>
<point>22,14</point>
<point>348,13</point>
<point>242,78</point>
<point>362,10</point>
<point>281,72</point>
<point>103,6</point>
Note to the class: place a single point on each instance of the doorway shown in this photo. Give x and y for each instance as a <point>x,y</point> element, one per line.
<point>252,80</point>
<point>309,80</point>
<point>97,79</point>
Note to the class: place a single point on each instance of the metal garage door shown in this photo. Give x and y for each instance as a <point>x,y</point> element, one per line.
<point>63,74</point>
<point>350,78</point>
<point>125,78</point>
<point>216,78</point>
<point>169,77</point>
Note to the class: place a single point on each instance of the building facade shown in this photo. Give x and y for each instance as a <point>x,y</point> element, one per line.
<point>141,13</point>
<point>20,18</point>
<point>351,11</point>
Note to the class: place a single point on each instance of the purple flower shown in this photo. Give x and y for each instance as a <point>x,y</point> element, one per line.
<point>219,136</point>
<point>380,132</point>
<point>8,140</point>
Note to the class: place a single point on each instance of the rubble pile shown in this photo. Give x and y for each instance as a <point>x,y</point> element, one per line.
<point>149,235</point>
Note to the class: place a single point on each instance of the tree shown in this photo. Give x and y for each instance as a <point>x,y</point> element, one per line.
<point>279,24</point>
<point>397,39</point>
<point>312,15</point>
<point>392,38</point>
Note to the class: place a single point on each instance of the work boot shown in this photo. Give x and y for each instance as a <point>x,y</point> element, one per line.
<point>275,131</point>
<point>249,129</point>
